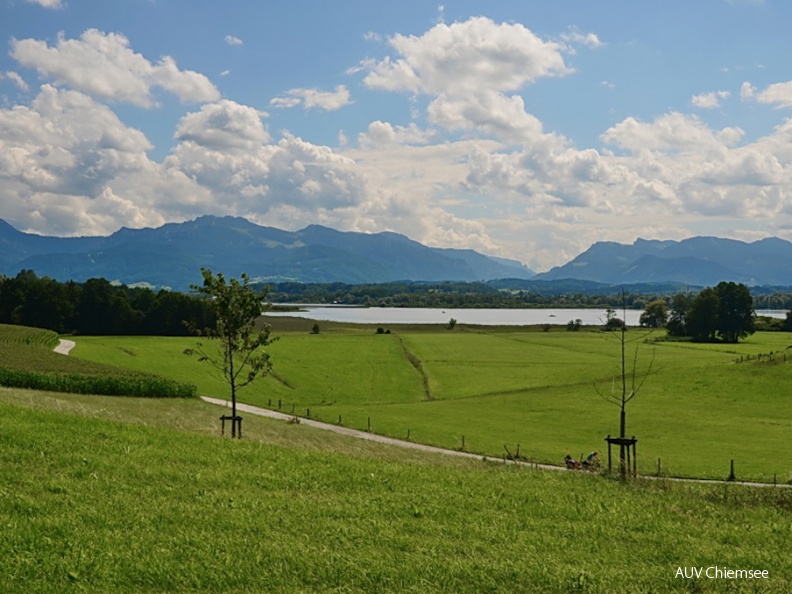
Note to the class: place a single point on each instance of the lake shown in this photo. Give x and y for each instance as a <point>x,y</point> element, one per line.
<point>484,317</point>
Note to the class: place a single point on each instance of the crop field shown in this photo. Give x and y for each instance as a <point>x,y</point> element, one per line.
<point>104,494</point>
<point>27,360</point>
<point>496,389</point>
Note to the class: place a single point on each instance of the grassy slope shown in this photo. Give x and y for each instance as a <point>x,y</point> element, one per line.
<point>503,387</point>
<point>91,504</point>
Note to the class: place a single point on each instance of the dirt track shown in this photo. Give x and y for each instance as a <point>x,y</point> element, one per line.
<point>65,346</point>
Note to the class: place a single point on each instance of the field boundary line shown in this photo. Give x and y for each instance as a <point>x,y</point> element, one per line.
<point>359,434</point>
<point>417,364</point>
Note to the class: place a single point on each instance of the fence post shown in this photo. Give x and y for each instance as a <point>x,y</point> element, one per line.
<point>463,442</point>
<point>369,424</point>
<point>658,467</point>
<point>339,419</point>
<point>408,435</point>
<point>731,472</point>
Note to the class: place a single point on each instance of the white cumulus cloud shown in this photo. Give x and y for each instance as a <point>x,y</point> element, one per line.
<point>469,69</point>
<point>710,100</point>
<point>69,166</point>
<point>104,65</point>
<point>314,99</point>
<point>467,56</point>
<point>671,132</point>
<point>224,125</point>
<point>47,3</point>
<point>573,36</point>
<point>778,94</point>
<point>16,79</point>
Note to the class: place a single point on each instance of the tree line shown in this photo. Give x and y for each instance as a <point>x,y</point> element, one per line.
<point>97,307</point>
<point>449,294</point>
<point>489,294</point>
<point>724,312</point>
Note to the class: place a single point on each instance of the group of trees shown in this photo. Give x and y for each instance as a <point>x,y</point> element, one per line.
<point>98,307</point>
<point>724,312</point>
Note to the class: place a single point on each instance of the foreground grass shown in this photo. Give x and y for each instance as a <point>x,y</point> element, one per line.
<point>91,504</point>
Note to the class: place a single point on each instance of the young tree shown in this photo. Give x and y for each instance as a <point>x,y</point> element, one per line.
<point>631,382</point>
<point>240,357</point>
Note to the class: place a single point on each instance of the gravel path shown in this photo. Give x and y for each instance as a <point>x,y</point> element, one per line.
<point>65,346</point>
<point>265,412</point>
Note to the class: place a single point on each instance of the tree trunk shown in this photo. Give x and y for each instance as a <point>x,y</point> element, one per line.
<point>622,451</point>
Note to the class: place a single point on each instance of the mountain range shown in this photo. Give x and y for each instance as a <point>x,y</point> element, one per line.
<point>172,255</point>
<point>697,261</point>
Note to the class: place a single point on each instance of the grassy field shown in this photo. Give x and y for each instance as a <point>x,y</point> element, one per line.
<point>500,387</point>
<point>101,494</point>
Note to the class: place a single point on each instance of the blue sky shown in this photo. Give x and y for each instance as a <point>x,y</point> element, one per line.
<point>522,129</point>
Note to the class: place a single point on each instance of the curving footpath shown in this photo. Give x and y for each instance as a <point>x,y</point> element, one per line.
<point>65,346</point>
<point>265,412</point>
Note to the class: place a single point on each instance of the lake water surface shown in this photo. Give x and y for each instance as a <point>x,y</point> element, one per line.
<point>484,317</point>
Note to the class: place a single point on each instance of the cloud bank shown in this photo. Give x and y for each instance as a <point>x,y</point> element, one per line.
<point>475,168</point>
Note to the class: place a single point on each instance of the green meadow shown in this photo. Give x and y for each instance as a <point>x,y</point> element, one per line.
<point>495,389</point>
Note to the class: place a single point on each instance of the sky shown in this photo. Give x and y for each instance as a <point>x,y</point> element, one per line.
<point>523,129</point>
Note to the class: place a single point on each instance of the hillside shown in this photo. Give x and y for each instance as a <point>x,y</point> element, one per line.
<point>160,502</point>
<point>172,255</point>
